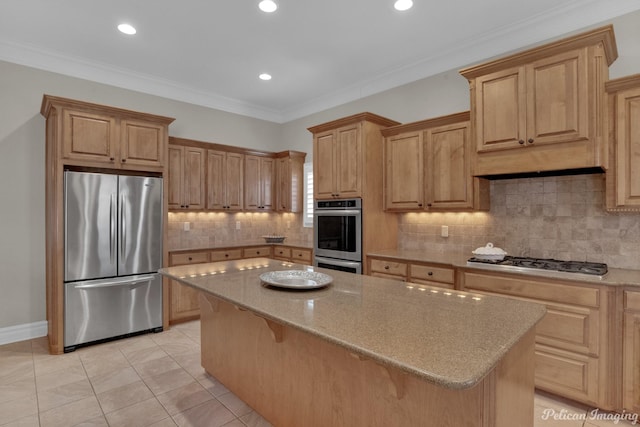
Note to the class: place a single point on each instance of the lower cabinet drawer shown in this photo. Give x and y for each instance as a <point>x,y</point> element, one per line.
<point>300,255</point>
<point>569,328</point>
<point>389,267</point>
<point>631,300</point>
<point>189,258</point>
<point>223,255</point>
<point>282,253</point>
<point>262,251</point>
<point>429,273</point>
<point>568,374</point>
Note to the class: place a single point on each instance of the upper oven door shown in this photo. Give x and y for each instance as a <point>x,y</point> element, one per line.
<point>338,234</point>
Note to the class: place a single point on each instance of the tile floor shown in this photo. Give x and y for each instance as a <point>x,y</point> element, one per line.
<point>153,380</point>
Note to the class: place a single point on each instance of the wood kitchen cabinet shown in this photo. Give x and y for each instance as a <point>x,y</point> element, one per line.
<point>259,183</point>
<point>257,252</point>
<point>184,305</point>
<point>86,136</point>
<point>348,163</point>
<point>290,180</point>
<point>631,352</point>
<point>293,254</point>
<point>346,156</point>
<point>428,166</point>
<point>575,341</point>
<point>623,176</point>
<point>421,273</point>
<point>225,180</point>
<point>186,187</point>
<point>94,135</point>
<point>545,108</point>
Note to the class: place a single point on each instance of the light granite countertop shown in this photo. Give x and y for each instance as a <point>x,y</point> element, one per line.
<point>614,277</point>
<point>446,337</point>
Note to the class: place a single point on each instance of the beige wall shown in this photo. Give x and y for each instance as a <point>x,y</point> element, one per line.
<point>22,213</point>
<point>22,274</point>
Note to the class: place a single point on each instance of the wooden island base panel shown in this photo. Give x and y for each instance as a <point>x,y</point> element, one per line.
<point>294,378</point>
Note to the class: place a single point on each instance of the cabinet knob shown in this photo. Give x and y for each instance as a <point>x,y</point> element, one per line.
<point>430,273</point>
<point>530,140</point>
<point>112,158</point>
<point>190,259</point>
<point>258,252</point>
<point>182,206</point>
<point>429,204</point>
<point>521,142</point>
<point>386,267</point>
<point>124,160</point>
<point>420,204</point>
<point>187,206</point>
<point>226,255</point>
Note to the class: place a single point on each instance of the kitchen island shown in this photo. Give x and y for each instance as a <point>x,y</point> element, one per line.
<point>364,351</point>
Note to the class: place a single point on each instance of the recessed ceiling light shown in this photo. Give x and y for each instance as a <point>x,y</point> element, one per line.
<point>403,4</point>
<point>127,29</point>
<point>265,76</point>
<point>268,6</point>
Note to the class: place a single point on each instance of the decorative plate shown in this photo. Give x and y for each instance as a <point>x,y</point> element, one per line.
<point>296,279</point>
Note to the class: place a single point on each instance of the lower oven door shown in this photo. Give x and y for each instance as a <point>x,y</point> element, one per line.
<point>338,264</point>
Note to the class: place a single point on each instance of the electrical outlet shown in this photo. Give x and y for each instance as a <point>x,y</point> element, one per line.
<point>237,225</point>
<point>444,231</point>
<point>288,224</point>
<point>186,226</point>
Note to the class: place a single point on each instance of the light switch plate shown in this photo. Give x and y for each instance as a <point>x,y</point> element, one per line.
<point>186,226</point>
<point>444,231</point>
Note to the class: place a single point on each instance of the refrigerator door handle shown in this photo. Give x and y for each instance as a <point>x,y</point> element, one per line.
<point>123,225</point>
<point>112,228</point>
<point>129,281</point>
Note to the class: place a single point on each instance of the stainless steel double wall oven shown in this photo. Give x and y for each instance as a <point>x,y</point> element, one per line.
<point>337,228</point>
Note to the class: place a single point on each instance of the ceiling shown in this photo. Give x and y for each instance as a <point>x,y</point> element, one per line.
<point>320,53</point>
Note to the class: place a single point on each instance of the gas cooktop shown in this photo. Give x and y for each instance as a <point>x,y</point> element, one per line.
<point>531,264</point>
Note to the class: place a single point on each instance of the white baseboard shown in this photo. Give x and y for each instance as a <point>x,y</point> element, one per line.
<point>23,332</point>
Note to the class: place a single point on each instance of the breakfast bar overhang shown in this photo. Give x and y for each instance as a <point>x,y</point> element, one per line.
<point>364,351</point>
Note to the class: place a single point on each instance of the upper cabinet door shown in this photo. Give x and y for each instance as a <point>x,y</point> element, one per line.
<point>215,179</point>
<point>142,143</point>
<point>234,182</point>
<point>175,194</point>
<point>627,149</point>
<point>404,171</point>
<point>558,99</point>
<point>448,171</point>
<point>194,170</point>
<point>324,165</point>
<point>500,109</point>
<point>349,161</point>
<point>89,136</point>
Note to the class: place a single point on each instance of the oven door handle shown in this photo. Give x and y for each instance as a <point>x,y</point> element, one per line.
<point>339,263</point>
<point>338,213</point>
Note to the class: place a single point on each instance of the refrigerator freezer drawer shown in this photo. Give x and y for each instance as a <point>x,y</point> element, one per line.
<point>106,308</point>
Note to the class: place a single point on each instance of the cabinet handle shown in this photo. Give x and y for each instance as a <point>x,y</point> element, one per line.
<point>420,204</point>
<point>530,141</point>
<point>182,206</point>
<point>429,204</point>
<point>521,142</point>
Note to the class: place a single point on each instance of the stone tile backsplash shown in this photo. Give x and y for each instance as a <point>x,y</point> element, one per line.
<point>551,217</point>
<point>216,229</point>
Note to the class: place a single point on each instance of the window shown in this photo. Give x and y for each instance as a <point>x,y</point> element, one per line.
<point>308,195</point>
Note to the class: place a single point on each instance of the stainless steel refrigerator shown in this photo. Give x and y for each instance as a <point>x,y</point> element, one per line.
<point>113,250</point>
